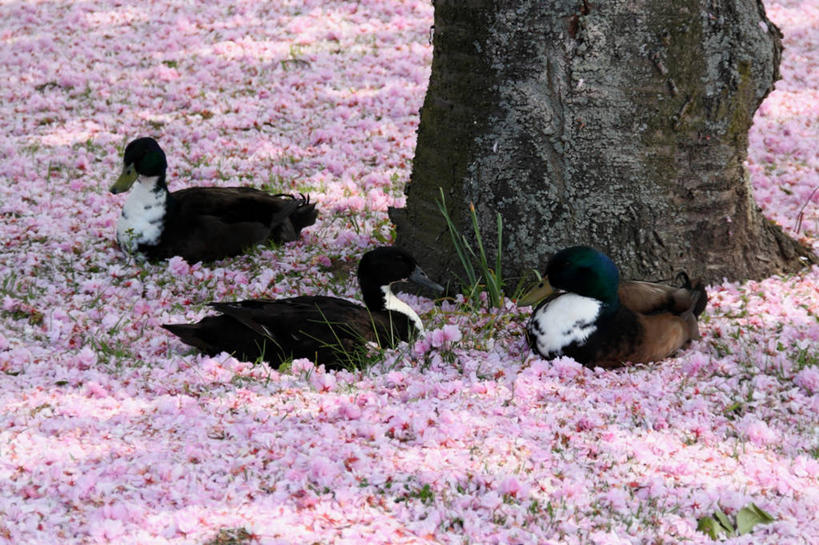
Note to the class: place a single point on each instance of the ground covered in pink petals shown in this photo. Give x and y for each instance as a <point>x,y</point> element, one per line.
<point>111,431</point>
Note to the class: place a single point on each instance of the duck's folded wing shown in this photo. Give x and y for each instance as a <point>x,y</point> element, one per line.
<point>663,335</point>
<point>215,334</point>
<point>653,298</point>
<point>326,330</point>
<point>206,238</point>
<point>245,204</point>
<point>302,321</point>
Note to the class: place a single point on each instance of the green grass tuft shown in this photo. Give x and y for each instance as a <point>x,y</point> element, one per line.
<point>485,278</point>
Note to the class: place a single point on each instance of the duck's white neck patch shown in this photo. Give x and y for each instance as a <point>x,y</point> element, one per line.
<point>143,215</point>
<point>391,302</point>
<point>565,319</point>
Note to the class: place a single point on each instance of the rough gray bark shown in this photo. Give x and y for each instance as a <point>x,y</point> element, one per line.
<point>620,124</point>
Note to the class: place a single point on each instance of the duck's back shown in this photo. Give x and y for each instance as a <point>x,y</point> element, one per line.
<point>289,213</point>
<point>209,223</point>
<point>653,298</point>
<point>233,204</point>
<point>327,330</point>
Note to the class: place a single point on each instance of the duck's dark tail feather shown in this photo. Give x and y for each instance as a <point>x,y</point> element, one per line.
<point>305,214</point>
<point>192,334</point>
<point>297,214</point>
<point>697,291</point>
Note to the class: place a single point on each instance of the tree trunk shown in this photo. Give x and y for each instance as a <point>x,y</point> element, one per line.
<point>620,124</point>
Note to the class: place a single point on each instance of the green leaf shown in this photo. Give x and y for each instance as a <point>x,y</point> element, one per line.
<point>724,521</point>
<point>764,515</point>
<point>751,515</point>
<point>747,517</point>
<point>710,527</point>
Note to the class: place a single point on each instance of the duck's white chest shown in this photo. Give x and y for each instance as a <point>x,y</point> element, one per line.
<point>142,217</point>
<point>563,320</point>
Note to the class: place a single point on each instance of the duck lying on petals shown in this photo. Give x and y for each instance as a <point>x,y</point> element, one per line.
<point>327,330</point>
<point>198,223</point>
<point>601,322</point>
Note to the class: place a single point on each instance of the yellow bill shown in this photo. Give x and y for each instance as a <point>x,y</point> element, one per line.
<point>125,180</point>
<point>536,294</point>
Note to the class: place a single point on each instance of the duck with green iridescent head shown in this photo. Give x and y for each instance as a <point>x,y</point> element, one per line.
<point>588,314</point>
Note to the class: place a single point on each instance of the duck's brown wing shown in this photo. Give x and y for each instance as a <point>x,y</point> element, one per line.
<point>629,337</point>
<point>653,298</point>
<point>670,321</point>
<point>662,335</point>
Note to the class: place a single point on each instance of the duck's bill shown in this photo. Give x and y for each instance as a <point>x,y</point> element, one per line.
<point>125,180</point>
<point>536,294</point>
<point>419,277</point>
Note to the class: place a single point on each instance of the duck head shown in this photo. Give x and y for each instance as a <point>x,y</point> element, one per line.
<point>381,267</point>
<point>143,158</point>
<point>581,270</point>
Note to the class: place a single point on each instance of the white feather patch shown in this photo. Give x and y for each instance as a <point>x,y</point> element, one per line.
<point>391,302</point>
<point>565,319</point>
<point>143,215</point>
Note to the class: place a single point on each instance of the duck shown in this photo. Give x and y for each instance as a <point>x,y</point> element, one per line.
<point>586,313</point>
<point>198,223</point>
<point>327,330</point>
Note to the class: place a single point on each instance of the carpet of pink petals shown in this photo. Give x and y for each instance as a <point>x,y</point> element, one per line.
<point>111,431</point>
